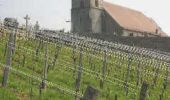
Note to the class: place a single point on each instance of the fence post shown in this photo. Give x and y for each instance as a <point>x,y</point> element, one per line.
<point>103,69</point>
<point>12,24</point>
<point>57,51</point>
<point>39,45</point>
<point>78,80</point>
<point>165,82</point>
<point>156,73</point>
<point>92,52</point>
<point>74,60</point>
<point>6,46</point>
<point>45,71</point>
<point>90,94</point>
<point>143,92</point>
<point>138,70</point>
<point>128,73</point>
<point>116,97</point>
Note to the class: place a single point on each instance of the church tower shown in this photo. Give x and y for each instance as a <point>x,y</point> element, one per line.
<point>86,16</point>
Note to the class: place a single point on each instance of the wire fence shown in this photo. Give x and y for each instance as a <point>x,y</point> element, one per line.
<point>69,63</point>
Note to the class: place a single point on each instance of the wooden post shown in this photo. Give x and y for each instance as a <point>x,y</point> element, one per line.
<point>138,71</point>
<point>127,73</point>
<point>116,97</point>
<point>45,70</point>
<point>78,80</point>
<point>31,81</point>
<point>92,52</point>
<point>90,94</point>
<point>103,69</point>
<point>38,47</point>
<point>14,41</point>
<point>12,24</point>
<point>90,58</point>
<point>74,60</point>
<point>156,73</point>
<point>58,49</point>
<point>6,46</point>
<point>165,83</point>
<point>143,92</point>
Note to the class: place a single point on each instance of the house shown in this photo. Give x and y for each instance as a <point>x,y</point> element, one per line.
<point>98,16</point>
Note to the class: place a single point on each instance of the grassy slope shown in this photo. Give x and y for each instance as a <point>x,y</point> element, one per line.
<point>62,74</point>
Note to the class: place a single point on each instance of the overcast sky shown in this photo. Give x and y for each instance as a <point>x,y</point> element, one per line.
<point>53,13</point>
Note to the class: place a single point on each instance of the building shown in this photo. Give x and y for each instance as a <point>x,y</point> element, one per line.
<point>97,16</point>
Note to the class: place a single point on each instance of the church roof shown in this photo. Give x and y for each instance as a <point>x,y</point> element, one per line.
<point>130,19</point>
<point>163,34</point>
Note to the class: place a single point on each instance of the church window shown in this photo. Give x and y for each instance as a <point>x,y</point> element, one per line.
<point>96,3</point>
<point>131,34</point>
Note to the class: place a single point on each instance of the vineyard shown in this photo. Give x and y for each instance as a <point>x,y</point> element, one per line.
<point>60,66</point>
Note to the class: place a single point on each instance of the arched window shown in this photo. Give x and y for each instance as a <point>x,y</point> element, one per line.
<point>96,3</point>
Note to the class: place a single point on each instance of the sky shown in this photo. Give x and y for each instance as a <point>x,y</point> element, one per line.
<point>53,14</point>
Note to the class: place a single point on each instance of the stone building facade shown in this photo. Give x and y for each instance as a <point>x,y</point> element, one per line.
<point>98,16</point>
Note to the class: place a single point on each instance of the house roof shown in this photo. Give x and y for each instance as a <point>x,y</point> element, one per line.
<point>130,19</point>
<point>163,34</point>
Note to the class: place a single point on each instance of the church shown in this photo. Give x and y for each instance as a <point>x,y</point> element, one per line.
<point>98,16</point>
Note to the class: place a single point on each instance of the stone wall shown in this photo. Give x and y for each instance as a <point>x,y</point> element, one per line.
<point>86,17</point>
<point>86,20</point>
<point>110,26</point>
<point>96,20</point>
<point>156,43</point>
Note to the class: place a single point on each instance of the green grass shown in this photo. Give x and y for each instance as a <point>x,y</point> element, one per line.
<point>63,73</point>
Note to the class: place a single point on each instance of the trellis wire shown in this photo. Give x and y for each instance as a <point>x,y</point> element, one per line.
<point>98,45</point>
<point>71,37</point>
<point>147,71</point>
<point>145,63</point>
<point>40,80</point>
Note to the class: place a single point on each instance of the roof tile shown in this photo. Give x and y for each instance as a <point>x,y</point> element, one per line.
<point>130,19</point>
